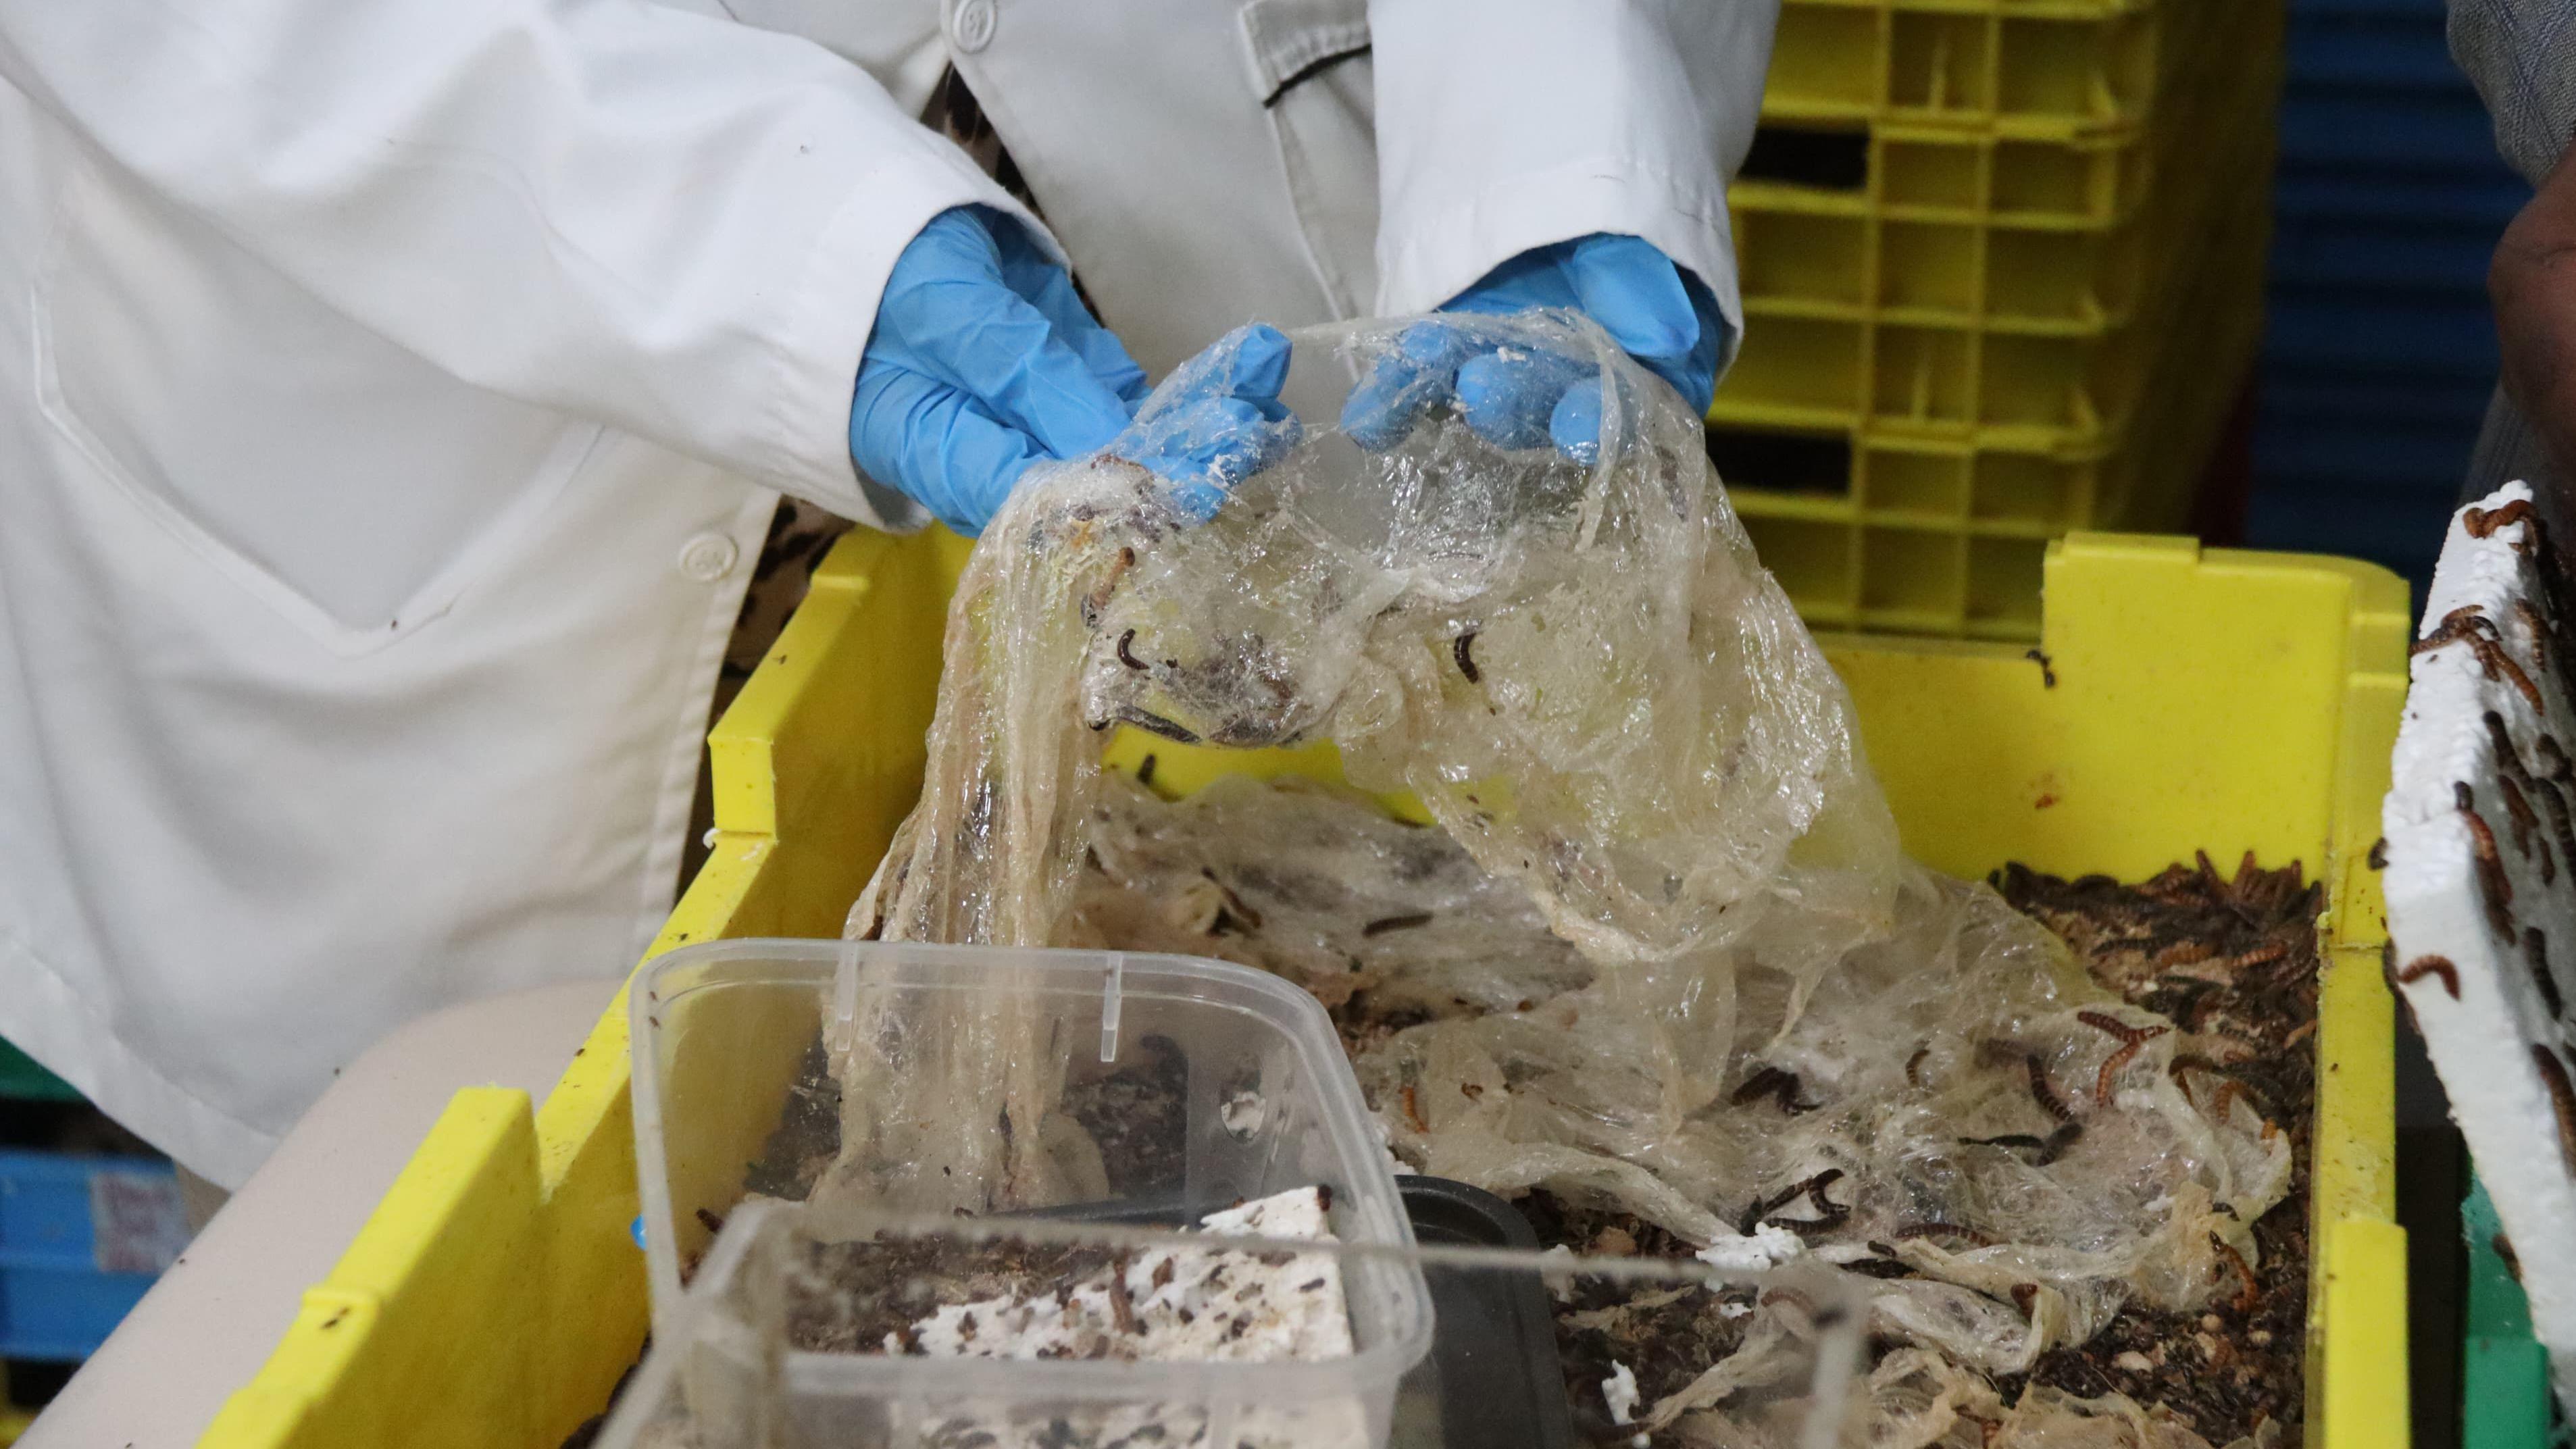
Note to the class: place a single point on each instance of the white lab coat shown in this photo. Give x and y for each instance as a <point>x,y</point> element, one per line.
<point>394,395</point>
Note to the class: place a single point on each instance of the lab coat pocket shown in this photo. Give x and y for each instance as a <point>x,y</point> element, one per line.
<point>1310,67</point>
<point>348,484</point>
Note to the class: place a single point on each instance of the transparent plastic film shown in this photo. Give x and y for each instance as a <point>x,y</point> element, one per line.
<point>1658,963</point>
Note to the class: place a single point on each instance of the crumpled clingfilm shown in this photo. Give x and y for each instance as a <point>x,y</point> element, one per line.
<point>1662,869</point>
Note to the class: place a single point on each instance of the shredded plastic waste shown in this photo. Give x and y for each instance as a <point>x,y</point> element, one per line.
<point>1661,951</point>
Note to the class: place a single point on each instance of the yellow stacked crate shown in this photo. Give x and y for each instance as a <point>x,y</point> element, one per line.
<point>2002,270</point>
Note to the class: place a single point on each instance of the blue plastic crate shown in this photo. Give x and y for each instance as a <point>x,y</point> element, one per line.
<point>81,1239</point>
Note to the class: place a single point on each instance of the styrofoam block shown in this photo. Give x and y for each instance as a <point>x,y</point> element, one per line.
<point>2481,886</point>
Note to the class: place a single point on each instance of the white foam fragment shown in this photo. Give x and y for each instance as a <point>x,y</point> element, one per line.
<point>1619,1392</point>
<point>2481,887</point>
<point>1768,1246</point>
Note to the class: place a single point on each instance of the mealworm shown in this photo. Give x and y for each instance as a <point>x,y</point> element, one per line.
<point>1462,649</point>
<point>2378,857</point>
<point>2423,966</point>
<point>1411,1097</point>
<point>2480,522</point>
<point>1384,924</point>
<point>2494,884</point>
<point>2518,815</point>
<point>2465,625</point>
<point>2252,1295</point>
<point>1935,1228</point>
<point>2456,625</point>
<point>2562,1097</point>
<point>1773,1082</point>
<point>2535,954</point>
<point>1126,651</point>
<point>2047,668</point>
<point>2536,627</point>
<point>1145,770</point>
<point>2559,766</point>
<point>2561,828</point>
<point>2047,1099</point>
<point>2132,1040</point>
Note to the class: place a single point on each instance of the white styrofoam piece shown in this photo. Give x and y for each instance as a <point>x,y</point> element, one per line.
<point>1181,1303</point>
<point>2481,887</point>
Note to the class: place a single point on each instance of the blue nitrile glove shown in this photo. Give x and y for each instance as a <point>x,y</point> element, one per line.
<point>1217,420</point>
<point>1658,313</point>
<point>982,361</point>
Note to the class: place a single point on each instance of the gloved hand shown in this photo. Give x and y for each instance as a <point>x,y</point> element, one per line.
<point>1659,314</point>
<point>1217,420</point>
<point>982,361</point>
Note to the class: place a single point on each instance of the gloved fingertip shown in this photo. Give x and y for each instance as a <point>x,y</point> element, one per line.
<point>1261,357</point>
<point>1196,501</point>
<point>1575,425</point>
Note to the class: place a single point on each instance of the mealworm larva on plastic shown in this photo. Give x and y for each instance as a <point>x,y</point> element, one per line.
<point>1774,1082</point>
<point>2560,768</point>
<point>2040,1091</point>
<point>2423,966</point>
<point>2132,1039</point>
<point>2465,625</point>
<point>1462,649</point>
<point>1126,651</point>
<point>2456,625</point>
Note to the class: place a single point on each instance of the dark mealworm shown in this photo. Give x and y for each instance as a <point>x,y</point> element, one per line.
<point>2494,884</point>
<point>1813,1190</point>
<point>2562,1097</point>
<point>1126,652</point>
<point>2048,1100</point>
<point>1462,649</point>
<point>2047,667</point>
<point>2560,767</point>
<point>2561,828</point>
<point>2535,954</point>
<point>1411,1097</point>
<point>1145,770</point>
<point>1384,924</point>
<point>2423,966</point>
<point>1913,1066</point>
<point>2378,858</point>
<point>1122,1308</point>
<point>2025,1296</point>
<point>2517,813</point>
<point>1773,1082</point>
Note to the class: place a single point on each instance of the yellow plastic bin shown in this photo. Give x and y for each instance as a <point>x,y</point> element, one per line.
<point>2186,700</point>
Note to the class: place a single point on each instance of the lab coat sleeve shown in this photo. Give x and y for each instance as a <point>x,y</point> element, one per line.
<point>666,221</point>
<point>1509,124</point>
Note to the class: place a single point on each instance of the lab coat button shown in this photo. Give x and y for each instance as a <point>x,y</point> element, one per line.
<point>708,557</point>
<point>970,25</point>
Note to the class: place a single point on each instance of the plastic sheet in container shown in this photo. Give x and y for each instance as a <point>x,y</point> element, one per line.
<point>1742,1359</point>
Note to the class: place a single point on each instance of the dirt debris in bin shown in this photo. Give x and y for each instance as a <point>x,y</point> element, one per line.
<point>2234,957</point>
<point>2231,957</point>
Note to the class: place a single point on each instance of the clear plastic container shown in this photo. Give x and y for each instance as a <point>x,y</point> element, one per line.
<point>1204,1083</point>
<point>726,1371</point>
